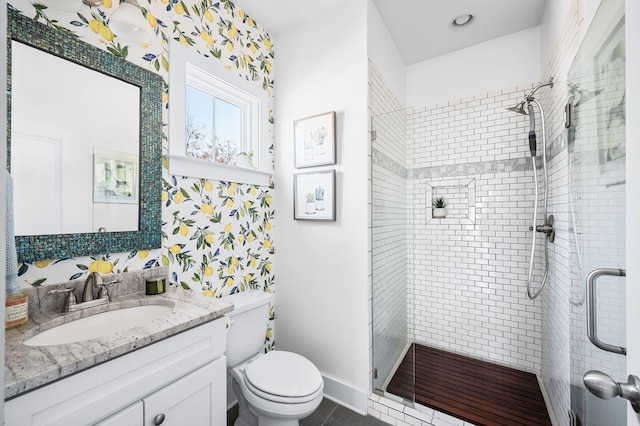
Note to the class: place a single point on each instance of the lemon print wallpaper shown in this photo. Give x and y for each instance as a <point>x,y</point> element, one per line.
<point>216,235</point>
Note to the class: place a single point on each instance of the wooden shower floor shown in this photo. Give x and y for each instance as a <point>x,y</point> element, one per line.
<point>476,391</point>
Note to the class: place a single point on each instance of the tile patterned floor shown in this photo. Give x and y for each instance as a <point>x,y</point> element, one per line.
<point>328,413</point>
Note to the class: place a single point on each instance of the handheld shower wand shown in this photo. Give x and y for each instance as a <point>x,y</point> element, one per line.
<point>547,227</point>
<point>532,132</point>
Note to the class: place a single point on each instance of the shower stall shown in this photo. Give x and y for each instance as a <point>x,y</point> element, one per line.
<point>455,283</point>
<point>459,282</point>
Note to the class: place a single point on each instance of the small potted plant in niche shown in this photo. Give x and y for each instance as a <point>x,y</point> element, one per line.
<point>310,204</point>
<point>319,198</point>
<point>439,207</point>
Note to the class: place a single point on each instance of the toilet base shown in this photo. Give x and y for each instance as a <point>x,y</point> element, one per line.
<point>248,416</point>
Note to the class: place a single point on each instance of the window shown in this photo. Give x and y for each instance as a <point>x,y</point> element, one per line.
<point>217,122</point>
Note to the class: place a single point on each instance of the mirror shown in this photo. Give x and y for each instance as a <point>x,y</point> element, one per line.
<point>103,115</point>
<point>87,178</point>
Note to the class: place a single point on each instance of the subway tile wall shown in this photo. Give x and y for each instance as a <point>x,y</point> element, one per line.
<point>467,277</point>
<point>389,237</point>
<point>556,316</point>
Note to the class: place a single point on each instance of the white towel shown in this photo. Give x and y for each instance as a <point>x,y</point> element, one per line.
<point>12,257</point>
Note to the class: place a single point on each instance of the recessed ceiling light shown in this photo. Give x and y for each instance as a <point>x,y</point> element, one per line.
<point>461,21</point>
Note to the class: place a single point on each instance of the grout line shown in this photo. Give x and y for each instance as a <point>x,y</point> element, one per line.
<point>330,414</point>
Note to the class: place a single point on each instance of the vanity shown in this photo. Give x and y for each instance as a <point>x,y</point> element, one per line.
<point>170,371</point>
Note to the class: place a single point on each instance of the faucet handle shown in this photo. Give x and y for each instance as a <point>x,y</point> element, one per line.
<point>60,290</point>
<point>102,292</point>
<point>70,298</point>
<point>102,288</point>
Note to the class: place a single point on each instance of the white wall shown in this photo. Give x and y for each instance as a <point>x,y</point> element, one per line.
<point>322,308</point>
<point>3,160</point>
<point>590,7</point>
<point>553,18</point>
<point>502,62</point>
<point>384,55</point>
<point>552,21</point>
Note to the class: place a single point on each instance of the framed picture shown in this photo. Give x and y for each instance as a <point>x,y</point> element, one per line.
<point>314,195</point>
<point>115,177</point>
<point>315,140</point>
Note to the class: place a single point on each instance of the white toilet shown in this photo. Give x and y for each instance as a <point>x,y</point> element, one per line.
<point>276,388</point>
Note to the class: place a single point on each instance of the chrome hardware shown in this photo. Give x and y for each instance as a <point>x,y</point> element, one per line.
<point>157,420</point>
<point>547,228</point>
<point>94,279</point>
<point>88,300</point>
<point>592,332</point>
<point>605,387</point>
<point>69,299</point>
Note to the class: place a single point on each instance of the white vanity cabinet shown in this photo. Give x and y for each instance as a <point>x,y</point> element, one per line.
<point>193,400</point>
<point>177,381</point>
<point>130,416</point>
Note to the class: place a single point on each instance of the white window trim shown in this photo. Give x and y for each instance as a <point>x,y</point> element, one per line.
<point>182,58</point>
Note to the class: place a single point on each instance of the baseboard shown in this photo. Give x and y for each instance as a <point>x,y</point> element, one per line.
<point>345,395</point>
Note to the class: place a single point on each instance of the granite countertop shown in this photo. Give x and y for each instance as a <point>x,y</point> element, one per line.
<point>30,367</point>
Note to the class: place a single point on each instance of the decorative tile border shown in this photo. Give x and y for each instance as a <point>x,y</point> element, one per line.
<point>380,159</point>
<point>468,169</point>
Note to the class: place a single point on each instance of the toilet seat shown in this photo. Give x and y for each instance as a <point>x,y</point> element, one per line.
<point>282,376</point>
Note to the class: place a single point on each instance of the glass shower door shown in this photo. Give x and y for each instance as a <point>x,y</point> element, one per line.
<point>596,181</point>
<point>390,224</point>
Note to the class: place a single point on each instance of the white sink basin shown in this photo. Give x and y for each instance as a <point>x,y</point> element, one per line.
<point>99,325</point>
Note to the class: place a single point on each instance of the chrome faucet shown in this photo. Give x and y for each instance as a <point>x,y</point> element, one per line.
<point>94,280</point>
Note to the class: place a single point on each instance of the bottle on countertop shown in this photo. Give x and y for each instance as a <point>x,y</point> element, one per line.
<point>16,309</point>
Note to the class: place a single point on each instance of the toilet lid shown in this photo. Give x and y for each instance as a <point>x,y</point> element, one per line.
<point>283,374</point>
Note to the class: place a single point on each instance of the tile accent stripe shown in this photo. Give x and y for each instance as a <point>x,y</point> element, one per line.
<point>387,163</point>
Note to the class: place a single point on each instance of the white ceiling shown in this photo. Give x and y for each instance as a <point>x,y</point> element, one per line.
<point>420,28</point>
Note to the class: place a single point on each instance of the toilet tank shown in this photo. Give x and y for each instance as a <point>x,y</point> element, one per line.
<point>248,330</point>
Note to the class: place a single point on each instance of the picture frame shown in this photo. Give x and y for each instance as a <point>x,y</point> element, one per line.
<point>115,177</point>
<point>314,195</point>
<point>315,140</point>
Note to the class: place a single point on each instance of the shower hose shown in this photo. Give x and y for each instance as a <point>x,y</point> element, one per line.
<point>530,292</point>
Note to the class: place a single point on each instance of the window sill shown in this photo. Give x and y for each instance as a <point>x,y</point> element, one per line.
<point>192,167</point>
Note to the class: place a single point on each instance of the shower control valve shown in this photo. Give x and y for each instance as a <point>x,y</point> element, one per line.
<point>547,228</point>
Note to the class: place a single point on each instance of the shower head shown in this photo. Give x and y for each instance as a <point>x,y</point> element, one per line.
<point>519,108</point>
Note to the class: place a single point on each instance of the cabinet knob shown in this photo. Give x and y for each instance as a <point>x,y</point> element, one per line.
<point>157,420</point>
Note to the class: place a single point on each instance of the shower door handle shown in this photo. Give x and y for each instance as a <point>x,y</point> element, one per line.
<point>591,308</point>
<point>605,387</point>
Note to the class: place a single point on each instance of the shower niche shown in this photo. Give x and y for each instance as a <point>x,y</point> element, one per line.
<point>460,198</point>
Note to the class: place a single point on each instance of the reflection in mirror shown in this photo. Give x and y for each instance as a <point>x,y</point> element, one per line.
<point>117,165</point>
<point>63,156</point>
